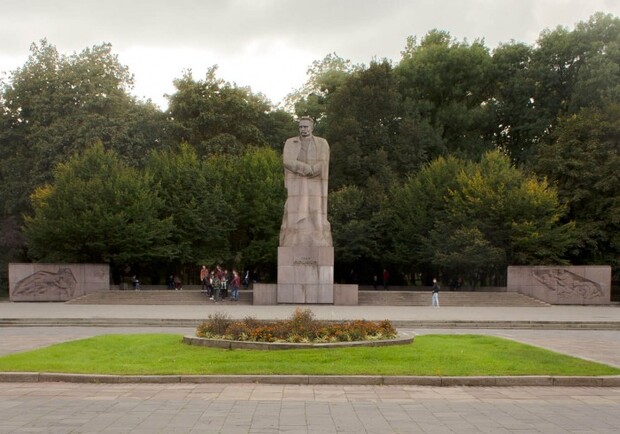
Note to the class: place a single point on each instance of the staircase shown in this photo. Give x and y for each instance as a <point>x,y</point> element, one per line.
<point>447,298</point>
<point>156,297</point>
<point>365,298</point>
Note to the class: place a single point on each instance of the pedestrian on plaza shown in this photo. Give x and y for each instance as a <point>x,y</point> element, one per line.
<point>386,278</point>
<point>177,283</point>
<point>204,274</point>
<point>234,286</point>
<point>226,282</point>
<point>246,279</point>
<point>435,296</point>
<point>214,284</point>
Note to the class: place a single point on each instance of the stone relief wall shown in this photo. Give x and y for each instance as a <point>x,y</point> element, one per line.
<point>562,284</point>
<point>56,282</point>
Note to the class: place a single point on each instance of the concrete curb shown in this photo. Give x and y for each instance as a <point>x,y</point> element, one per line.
<point>359,380</point>
<point>271,346</point>
<point>446,324</point>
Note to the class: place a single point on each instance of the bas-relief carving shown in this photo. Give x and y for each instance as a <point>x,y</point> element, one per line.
<point>569,284</point>
<point>566,283</point>
<point>61,284</point>
<point>55,282</point>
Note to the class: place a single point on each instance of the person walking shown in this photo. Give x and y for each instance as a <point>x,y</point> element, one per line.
<point>435,297</point>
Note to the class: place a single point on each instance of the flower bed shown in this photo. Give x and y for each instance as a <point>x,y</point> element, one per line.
<point>301,330</point>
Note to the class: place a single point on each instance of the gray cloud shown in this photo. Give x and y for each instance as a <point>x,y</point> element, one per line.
<point>355,29</point>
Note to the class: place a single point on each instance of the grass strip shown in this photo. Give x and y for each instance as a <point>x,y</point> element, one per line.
<point>428,355</point>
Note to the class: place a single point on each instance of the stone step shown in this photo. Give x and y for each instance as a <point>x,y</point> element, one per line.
<point>423,298</point>
<point>365,298</point>
<point>156,297</point>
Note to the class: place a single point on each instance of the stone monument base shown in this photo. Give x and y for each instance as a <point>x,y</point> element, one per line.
<point>305,275</point>
<point>267,294</point>
<point>264,294</point>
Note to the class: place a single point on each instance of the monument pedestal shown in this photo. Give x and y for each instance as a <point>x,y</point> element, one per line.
<point>305,275</point>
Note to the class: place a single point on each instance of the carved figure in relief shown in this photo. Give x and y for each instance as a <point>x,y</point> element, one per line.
<point>566,283</point>
<point>61,283</point>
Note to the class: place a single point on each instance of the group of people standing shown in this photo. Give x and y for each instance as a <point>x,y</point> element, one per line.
<point>217,283</point>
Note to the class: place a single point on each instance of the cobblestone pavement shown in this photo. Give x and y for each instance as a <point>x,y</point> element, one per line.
<point>251,408</point>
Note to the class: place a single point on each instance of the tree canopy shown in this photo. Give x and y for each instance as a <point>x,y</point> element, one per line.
<point>97,210</point>
<point>455,158</point>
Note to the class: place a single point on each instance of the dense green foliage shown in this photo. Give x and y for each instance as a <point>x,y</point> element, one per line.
<point>97,210</point>
<point>583,161</point>
<point>457,160</point>
<point>432,355</point>
<point>468,219</point>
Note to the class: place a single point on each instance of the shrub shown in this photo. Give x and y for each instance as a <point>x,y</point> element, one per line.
<point>250,322</point>
<point>237,331</point>
<point>216,325</point>
<point>303,323</point>
<point>300,327</point>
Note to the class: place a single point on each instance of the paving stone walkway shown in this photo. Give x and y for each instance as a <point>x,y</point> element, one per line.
<point>268,408</point>
<point>251,408</point>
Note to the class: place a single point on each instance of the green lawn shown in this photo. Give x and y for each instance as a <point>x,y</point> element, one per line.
<point>161,354</point>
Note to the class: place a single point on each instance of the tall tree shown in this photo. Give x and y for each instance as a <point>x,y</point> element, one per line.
<point>253,184</point>
<point>56,105</point>
<point>356,233</point>
<point>464,218</point>
<point>512,211</point>
<point>518,126</point>
<point>414,207</point>
<point>449,83</point>
<point>362,122</point>
<point>193,200</point>
<point>324,78</point>
<point>583,161</point>
<point>598,80</point>
<point>97,209</point>
<point>574,69</point>
<point>567,70</point>
<point>215,116</point>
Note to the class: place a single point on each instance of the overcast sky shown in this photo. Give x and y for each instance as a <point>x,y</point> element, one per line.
<point>266,44</point>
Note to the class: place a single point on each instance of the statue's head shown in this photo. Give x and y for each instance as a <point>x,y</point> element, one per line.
<point>306,125</point>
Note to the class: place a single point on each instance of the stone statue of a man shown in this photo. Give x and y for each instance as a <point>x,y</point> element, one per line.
<point>306,169</point>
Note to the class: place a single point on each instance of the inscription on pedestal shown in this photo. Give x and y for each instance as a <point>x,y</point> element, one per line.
<point>305,275</point>
<point>305,261</point>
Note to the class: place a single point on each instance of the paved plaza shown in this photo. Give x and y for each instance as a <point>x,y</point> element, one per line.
<point>251,408</point>
<point>288,408</point>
